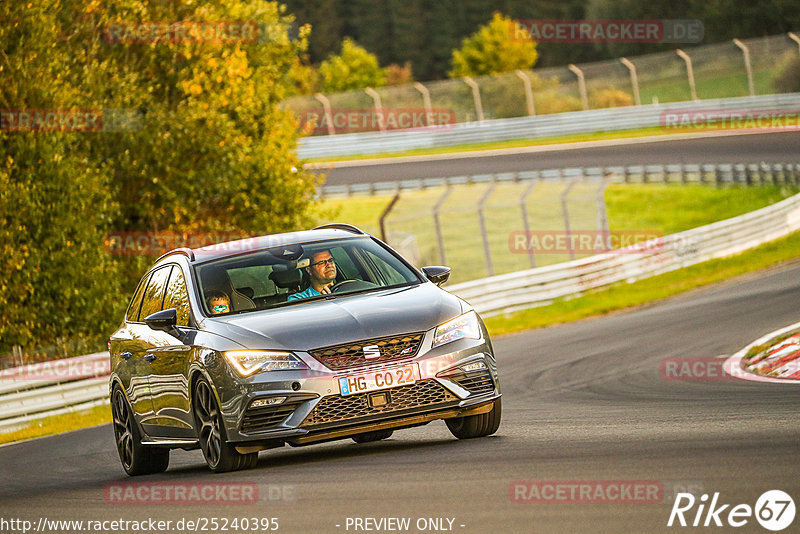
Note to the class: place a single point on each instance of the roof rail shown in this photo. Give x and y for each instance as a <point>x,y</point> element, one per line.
<point>186,251</point>
<point>341,226</point>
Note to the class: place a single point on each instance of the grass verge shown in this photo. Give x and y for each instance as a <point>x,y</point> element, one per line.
<point>622,296</point>
<point>56,424</point>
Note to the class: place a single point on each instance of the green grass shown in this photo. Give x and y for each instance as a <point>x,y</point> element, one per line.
<point>623,296</point>
<point>56,424</point>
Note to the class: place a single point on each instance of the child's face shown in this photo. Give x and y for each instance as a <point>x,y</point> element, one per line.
<point>220,305</point>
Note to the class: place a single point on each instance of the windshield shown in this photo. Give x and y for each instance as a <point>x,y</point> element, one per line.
<point>295,274</point>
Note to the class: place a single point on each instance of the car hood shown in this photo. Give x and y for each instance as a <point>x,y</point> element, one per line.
<point>341,320</point>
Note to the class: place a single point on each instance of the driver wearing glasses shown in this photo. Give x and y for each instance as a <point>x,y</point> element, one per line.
<point>321,272</point>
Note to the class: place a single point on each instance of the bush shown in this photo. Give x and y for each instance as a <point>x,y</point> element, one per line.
<point>609,97</point>
<point>495,48</point>
<point>787,80</point>
<point>399,75</point>
<point>353,68</point>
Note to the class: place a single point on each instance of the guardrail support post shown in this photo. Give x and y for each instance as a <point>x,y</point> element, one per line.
<point>476,97</point>
<point>793,36</point>
<point>581,85</point>
<point>426,102</point>
<point>376,98</point>
<point>524,208</point>
<point>326,108</point>
<point>437,224</point>
<point>747,66</point>
<point>689,72</point>
<point>385,214</point>
<point>565,212</point>
<point>528,92</point>
<point>484,234</point>
<point>634,80</point>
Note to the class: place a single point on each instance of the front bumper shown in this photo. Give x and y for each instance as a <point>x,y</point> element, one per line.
<point>314,410</point>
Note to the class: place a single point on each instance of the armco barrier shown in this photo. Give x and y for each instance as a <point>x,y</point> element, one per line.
<point>557,124</point>
<point>539,286</point>
<point>53,387</point>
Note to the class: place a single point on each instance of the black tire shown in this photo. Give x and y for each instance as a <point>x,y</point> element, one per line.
<point>137,459</point>
<point>375,435</point>
<point>220,455</point>
<point>476,426</point>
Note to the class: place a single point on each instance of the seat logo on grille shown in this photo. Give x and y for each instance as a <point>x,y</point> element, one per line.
<point>371,352</point>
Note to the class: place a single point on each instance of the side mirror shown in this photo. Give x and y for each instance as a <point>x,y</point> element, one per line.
<point>437,274</point>
<point>164,320</point>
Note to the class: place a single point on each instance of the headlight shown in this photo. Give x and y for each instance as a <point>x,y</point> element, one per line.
<point>249,362</point>
<point>463,326</point>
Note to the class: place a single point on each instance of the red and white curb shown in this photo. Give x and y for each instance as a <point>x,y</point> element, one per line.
<point>733,364</point>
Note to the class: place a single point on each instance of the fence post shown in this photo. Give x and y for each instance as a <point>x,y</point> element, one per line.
<point>326,108</point>
<point>793,36</point>
<point>376,98</point>
<point>476,96</point>
<point>437,224</point>
<point>747,67</point>
<point>524,208</point>
<point>634,80</point>
<point>528,92</point>
<point>385,213</point>
<point>581,85</point>
<point>484,234</point>
<point>689,71</point>
<point>426,102</point>
<point>565,213</point>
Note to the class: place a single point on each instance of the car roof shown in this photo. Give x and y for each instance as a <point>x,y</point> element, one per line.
<point>232,248</point>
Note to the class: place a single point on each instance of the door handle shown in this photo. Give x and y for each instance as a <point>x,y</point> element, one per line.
<point>149,357</point>
<point>126,355</point>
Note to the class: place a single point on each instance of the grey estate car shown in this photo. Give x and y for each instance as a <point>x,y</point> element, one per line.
<point>215,351</point>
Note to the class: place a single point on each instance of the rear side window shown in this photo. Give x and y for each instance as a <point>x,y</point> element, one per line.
<point>136,302</point>
<point>154,294</point>
<point>178,297</point>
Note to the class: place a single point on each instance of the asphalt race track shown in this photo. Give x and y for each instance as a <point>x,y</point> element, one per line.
<point>748,148</point>
<point>584,401</point>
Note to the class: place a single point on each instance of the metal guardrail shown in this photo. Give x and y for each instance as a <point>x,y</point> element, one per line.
<point>712,173</point>
<point>576,122</point>
<point>540,286</point>
<point>50,388</point>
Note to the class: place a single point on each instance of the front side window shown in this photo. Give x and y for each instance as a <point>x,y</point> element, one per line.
<point>295,274</point>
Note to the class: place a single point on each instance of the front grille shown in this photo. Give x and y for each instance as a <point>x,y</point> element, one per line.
<point>474,381</point>
<point>340,408</point>
<point>351,355</point>
<point>265,417</point>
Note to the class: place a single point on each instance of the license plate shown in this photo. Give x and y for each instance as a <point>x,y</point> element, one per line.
<point>376,380</point>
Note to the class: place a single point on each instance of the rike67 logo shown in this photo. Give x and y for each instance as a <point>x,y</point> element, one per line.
<point>774,510</point>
